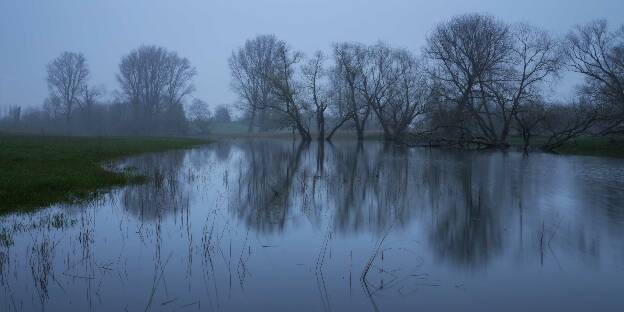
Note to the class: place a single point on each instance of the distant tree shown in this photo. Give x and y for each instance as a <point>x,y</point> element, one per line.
<point>222,114</point>
<point>90,95</point>
<point>52,106</point>
<point>199,111</point>
<point>89,98</point>
<point>15,114</point>
<point>155,82</point>
<point>67,76</point>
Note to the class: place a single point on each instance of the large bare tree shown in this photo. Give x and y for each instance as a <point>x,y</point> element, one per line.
<point>488,69</point>
<point>339,99</point>
<point>379,76</point>
<point>67,77</point>
<point>598,54</point>
<point>466,51</point>
<point>317,85</point>
<point>287,89</point>
<point>534,59</point>
<point>395,86</point>
<point>249,65</point>
<point>350,59</point>
<point>409,96</point>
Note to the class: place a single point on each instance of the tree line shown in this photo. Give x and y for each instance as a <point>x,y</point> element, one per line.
<point>476,82</point>
<point>154,84</point>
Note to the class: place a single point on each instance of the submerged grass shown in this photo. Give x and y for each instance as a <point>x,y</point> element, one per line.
<point>36,171</point>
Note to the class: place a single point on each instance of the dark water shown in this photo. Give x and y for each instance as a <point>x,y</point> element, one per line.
<point>279,226</point>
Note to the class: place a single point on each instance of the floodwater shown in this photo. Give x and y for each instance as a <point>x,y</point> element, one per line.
<point>275,225</point>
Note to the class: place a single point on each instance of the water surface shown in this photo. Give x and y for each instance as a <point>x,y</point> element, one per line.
<point>282,226</point>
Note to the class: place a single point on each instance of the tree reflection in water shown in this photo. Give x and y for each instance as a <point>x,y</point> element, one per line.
<point>236,224</point>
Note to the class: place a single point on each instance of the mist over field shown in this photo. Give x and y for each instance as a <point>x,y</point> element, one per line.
<point>320,155</point>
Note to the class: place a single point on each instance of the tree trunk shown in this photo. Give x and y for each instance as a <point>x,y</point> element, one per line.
<point>68,123</point>
<point>251,120</point>
<point>331,133</point>
<point>262,122</point>
<point>360,134</point>
<point>526,136</point>
<point>320,125</point>
<point>303,132</point>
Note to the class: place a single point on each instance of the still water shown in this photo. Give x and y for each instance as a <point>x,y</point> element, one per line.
<point>271,225</point>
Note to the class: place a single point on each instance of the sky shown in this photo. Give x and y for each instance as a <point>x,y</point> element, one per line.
<point>33,32</point>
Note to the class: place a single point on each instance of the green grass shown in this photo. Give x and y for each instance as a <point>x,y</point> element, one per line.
<point>37,171</point>
<point>590,145</point>
<point>594,146</point>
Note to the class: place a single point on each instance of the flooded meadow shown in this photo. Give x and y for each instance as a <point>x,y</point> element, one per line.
<point>280,225</point>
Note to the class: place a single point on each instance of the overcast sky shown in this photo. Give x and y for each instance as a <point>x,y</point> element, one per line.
<point>34,32</point>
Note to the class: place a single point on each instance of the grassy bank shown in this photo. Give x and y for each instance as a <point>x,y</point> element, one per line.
<point>590,146</point>
<point>594,146</point>
<point>36,171</point>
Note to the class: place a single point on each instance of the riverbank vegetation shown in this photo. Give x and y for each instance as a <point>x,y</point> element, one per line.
<point>38,171</point>
<point>594,146</point>
<point>478,82</point>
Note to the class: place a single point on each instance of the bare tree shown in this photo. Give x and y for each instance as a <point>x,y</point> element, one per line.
<point>15,114</point>
<point>142,79</point>
<point>528,118</point>
<point>534,59</point>
<point>199,110</point>
<point>180,74</point>
<point>395,86</point>
<point>598,54</point>
<point>249,65</point>
<point>467,52</point>
<point>67,76</point>
<point>379,76</point>
<point>563,123</point>
<point>199,114</point>
<point>488,69</point>
<point>339,109</point>
<point>287,90</point>
<point>350,59</point>
<point>89,97</point>
<point>155,83</point>
<point>317,86</point>
<point>52,106</point>
<point>222,114</point>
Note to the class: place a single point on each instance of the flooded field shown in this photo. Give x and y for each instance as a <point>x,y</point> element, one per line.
<point>282,226</point>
